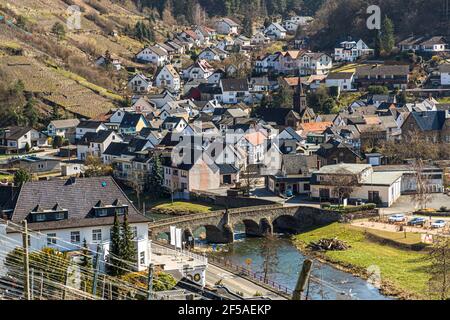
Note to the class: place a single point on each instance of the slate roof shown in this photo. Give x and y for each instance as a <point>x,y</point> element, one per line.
<point>66,123</point>
<point>294,164</point>
<point>276,115</point>
<point>430,120</point>
<point>340,76</point>
<point>96,137</point>
<point>116,149</point>
<point>78,198</point>
<point>14,132</point>
<point>8,197</point>
<point>327,148</point>
<point>226,168</point>
<point>130,120</point>
<point>234,84</point>
<point>293,134</point>
<point>380,70</point>
<point>89,124</point>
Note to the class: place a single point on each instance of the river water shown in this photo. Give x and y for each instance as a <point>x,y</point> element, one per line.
<point>334,284</point>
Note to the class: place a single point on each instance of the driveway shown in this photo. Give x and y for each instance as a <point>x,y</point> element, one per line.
<point>406,204</point>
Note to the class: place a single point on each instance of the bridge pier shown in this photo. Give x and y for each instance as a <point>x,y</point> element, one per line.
<point>265,227</point>
<point>188,237</point>
<point>219,235</point>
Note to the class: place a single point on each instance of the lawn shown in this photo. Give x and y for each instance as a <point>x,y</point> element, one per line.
<point>6,177</point>
<point>184,206</point>
<point>402,271</point>
<point>444,100</point>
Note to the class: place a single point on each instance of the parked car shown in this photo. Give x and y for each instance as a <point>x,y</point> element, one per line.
<point>397,218</point>
<point>439,224</point>
<point>417,222</point>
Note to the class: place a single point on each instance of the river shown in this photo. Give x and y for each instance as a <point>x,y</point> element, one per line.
<point>334,284</point>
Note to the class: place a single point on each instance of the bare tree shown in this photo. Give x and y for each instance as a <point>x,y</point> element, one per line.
<point>343,185</point>
<point>423,194</point>
<point>439,256</point>
<point>269,253</point>
<point>248,177</point>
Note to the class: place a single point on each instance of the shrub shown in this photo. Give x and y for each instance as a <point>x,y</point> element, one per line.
<point>443,209</point>
<point>325,205</point>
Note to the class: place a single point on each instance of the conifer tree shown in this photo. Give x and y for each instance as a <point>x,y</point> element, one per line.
<point>156,176</point>
<point>128,252</point>
<point>387,35</point>
<point>115,249</point>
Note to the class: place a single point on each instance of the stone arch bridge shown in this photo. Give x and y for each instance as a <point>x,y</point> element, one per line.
<point>258,222</point>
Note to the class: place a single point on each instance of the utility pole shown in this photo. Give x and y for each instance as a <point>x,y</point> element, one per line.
<point>26,262</point>
<point>96,270</point>
<point>302,280</point>
<point>150,282</point>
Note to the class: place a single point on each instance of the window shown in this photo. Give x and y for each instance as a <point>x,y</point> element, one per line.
<point>102,212</point>
<point>120,211</point>
<point>134,231</point>
<point>142,257</point>
<point>40,217</point>
<point>97,235</point>
<point>75,237</point>
<point>51,239</point>
<point>374,196</point>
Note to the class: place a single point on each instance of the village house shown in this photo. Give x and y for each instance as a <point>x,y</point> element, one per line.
<point>259,38</point>
<point>434,44</point>
<point>190,173</point>
<point>174,124</point>
<point>254,144</point>
<point>444,71</point>
<point>168,78</point>
<point>154,55</point>
<point>200,69</point>
<point>95,143</point>
<point>63,128</point>
<point>17,139</point>
<point>350,51</point>
<point>108,61</point>
<point>355,182</point>
<point>315,63</point>
<point>68,212</point>
<point>292,23</point>
<point>391,76</point>
<point>227,26</point>
<point>341,80</point>
<point>89,126</point>
<point>140,83</point>
<point>336,151</point>
<point>294,175</point>
<point>434,126</point>
<point>213,54</point>
<point>235,91</point>
<point>275,31</point>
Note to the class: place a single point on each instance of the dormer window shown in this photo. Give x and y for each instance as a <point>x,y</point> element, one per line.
<point>102,212</point>
<point>40,217</point>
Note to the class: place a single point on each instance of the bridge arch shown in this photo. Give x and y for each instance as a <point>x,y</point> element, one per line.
<point>251,228</point>
<point>286,224</point>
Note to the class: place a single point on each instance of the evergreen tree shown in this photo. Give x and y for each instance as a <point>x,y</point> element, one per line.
<point>86,264</point>
<point>387,35</point>
<point>115,249</point>
<point>377,44</point>
<point>21,176</point>
<point>247,25</point>
<point>127,249</point>
<point>30,113</point>
<point>156,177</point>
<point>58,30</point>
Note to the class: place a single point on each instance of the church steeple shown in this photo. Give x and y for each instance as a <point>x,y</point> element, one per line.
<point>300,103</point>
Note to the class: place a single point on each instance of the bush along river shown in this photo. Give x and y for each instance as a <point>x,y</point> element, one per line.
<point>285,262</point>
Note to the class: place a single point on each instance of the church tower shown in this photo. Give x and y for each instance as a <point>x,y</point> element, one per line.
<point>300,103</point>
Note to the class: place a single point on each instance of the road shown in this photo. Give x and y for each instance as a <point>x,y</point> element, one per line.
<point>236,283</point>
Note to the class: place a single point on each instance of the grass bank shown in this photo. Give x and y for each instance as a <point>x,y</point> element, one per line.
<point>403,272</point>
<point>183,207</point>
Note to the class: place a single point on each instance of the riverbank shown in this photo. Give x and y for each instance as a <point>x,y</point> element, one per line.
<point>403,272</point>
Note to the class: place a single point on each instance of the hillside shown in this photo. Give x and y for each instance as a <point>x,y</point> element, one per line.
<point>60,71</point>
